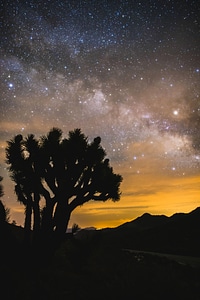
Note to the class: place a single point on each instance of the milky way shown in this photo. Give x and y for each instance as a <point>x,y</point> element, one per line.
<point>127,71</point>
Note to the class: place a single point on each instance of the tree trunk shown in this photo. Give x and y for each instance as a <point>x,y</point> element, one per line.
<point>36,218</point>
<point>36,213</point>
<point>27,224</point>
<point>47,218</point>
<point>62,217</point>
<point>62,224</point>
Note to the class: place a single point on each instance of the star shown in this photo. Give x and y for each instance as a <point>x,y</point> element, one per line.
<point>126,72</point>
<point>175,112</point>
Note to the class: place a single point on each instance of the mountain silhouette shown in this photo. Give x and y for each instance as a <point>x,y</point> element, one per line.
<point>178,234</point>
<point>146,221</point>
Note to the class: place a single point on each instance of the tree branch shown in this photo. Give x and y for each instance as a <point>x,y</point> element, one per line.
<point>101,197</point>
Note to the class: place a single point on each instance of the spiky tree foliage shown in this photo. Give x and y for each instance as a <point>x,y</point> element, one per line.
<point>21,167</point>
<point>66,172</point>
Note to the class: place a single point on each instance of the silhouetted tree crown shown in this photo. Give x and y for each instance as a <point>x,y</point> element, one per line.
<point>66,172</point>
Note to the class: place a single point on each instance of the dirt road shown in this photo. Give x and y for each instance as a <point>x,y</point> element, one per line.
<point>183,260</point>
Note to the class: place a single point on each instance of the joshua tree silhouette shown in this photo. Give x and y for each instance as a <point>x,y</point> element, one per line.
<point>66,172</point>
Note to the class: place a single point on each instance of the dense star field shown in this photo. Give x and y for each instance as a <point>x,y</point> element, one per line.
<point>127,71</point>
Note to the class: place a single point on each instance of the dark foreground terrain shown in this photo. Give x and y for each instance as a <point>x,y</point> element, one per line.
<point>96,265</point>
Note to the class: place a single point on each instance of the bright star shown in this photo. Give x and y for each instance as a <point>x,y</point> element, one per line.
<point>175,112</point>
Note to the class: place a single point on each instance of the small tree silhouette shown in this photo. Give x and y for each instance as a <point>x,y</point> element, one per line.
<point>2,207</point>
<point>65,172</point>
<point>75,228</point>
<point>1,188</point>
<point>4,211</point>
<point>22,173</point>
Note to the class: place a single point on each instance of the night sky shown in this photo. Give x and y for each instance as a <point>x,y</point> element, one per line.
<point>127,71</point>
